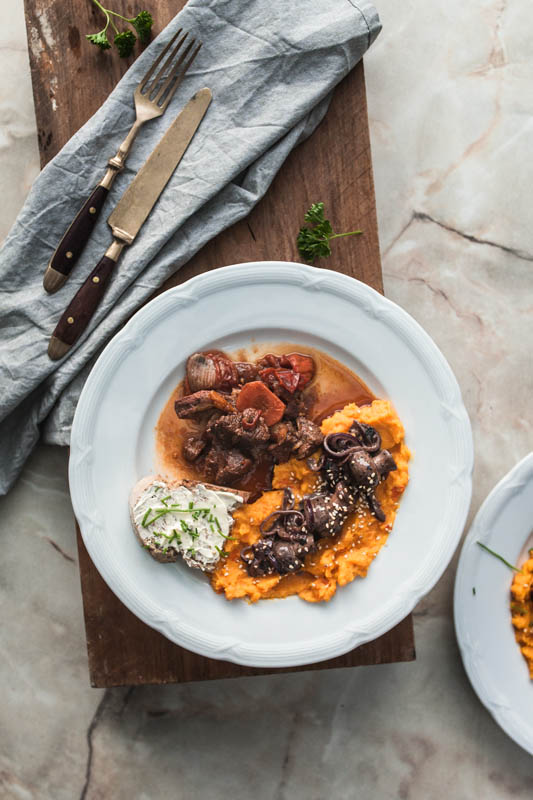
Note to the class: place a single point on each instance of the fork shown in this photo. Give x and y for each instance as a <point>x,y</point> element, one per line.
<point>151,100</point>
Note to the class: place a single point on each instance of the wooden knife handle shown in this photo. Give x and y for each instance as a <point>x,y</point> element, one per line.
<point>80,310</point>
<point>74,240</point>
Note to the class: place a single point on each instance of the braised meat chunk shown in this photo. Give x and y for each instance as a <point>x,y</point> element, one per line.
<point>283,439</point>
<point>309,437</point>
<point>193,447</point>
<point>236,430</point>
<point>195,403</point>
<point>249,416</point>
<point>226,466</point>
<point>235,467</point>
<point>216,371</point>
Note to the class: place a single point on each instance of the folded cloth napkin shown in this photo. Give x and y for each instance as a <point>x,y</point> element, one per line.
<point>271,67</point>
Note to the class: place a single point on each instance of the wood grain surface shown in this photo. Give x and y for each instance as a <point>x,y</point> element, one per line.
<point>71,78</point>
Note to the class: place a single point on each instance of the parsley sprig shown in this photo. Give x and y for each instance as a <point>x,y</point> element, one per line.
<point>124,40</point>
<point>313,242</point>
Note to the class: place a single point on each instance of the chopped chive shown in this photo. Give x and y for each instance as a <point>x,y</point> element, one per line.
<point>217,523</point>
<point>222,553</point>
<point>191,505</point>
<point>497,555</point>
<point>145,517</point>
<point>227,537</point>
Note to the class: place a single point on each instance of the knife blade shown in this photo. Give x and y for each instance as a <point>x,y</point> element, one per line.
<point>127,219</point>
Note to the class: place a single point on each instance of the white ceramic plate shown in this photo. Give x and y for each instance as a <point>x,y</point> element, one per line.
<point>113,445</point>
<point>493,661</point>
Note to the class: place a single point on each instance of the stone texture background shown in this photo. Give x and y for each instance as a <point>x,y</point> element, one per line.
<point>450,91</point>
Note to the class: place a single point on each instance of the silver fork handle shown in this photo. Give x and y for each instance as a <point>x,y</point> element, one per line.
<point>118,161</point>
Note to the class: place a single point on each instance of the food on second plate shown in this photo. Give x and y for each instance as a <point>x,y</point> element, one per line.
<point>184,518</point>
<point>522,610</point>
<point>330,517</point>
<point>323,460</point>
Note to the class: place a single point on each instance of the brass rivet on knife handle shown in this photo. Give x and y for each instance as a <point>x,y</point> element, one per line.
<point>83,304</point>
<point>73,242</point>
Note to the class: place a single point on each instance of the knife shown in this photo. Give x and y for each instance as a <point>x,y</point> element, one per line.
<point>127,218</point>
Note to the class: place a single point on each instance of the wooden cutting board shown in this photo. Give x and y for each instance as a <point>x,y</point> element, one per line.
<point>71,79</point>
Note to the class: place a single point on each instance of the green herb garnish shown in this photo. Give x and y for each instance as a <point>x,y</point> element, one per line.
<point>497,555</point>
<point>143,25</point>
<point>184,527</point>
<point>313,242</point>
<point>222,553</point>
<point>159,512</point>
<point>124,40</point>
<point>144,523</point>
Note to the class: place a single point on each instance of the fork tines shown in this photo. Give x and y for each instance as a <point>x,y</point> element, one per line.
<point>161,89</point>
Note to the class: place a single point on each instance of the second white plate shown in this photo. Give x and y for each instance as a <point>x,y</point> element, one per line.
<point>492,659</point>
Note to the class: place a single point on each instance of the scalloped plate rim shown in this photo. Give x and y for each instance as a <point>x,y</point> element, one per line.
<point>424,349</point>
<point>504,716</point>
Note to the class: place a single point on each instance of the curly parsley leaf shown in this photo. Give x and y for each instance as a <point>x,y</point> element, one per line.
<point>143,25</point>
<point>125,42</point>
<point>314,242</point>
<point>99,39</point>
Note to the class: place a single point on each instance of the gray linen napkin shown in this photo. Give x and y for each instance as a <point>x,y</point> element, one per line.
<point>271,65</point>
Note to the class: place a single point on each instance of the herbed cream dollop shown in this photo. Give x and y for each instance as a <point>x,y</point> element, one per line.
<point>196,522</point>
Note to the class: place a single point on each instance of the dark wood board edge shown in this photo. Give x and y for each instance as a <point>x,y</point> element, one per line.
<point>128,642</point>
<point>318,169</point>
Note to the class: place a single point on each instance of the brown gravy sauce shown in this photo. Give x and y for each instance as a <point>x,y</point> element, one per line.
<point>333,387</point>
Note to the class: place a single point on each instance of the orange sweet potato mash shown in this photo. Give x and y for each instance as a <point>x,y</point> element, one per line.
<point>522,611</point>
<point>340,559</point>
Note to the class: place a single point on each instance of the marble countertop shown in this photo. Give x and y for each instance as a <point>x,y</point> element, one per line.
<point>450,93</point>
